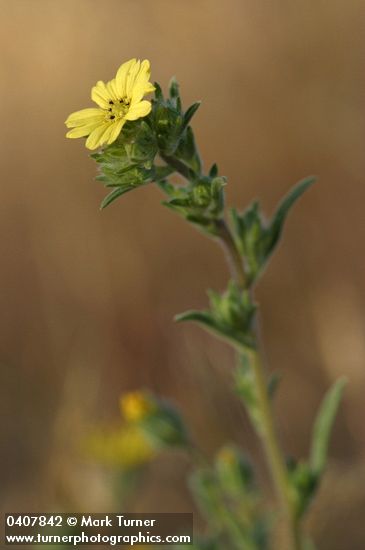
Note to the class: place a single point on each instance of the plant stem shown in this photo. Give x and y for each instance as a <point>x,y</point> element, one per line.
<point>267,434</point>
<point>233,255</point>
<point>274,455</point>
<point>178,166</point>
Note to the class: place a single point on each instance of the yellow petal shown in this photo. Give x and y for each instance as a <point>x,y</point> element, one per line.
<point>149,88</point>
<point>130,79</point>
<point>85,116</point>
<point>140,90</point>
<point>138,110</point>
<point>144,73</point>
<point>112,89</point>
<point>141,86</point>
<point>100,94</point>
<point>98,136</point>
<point>116,128</point>
<point>122,75</point>
<point>82,131</point>
<point>145,69</point>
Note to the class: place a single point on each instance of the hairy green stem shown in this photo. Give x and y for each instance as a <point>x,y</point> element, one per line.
<point>267,434</point>
<point>233,255</point>
<point>274,455</point>
<point>178,166</point>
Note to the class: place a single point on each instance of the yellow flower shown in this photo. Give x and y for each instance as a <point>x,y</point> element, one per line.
<point>227,456</point>
<point>136,406</point>
<point>126,447</point>
<point>119,100</point>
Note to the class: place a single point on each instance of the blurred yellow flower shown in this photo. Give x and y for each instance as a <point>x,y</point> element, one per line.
<point>119,100</point>
<point>227,456</point>
<point>126,447</point>
<point>136,406</point>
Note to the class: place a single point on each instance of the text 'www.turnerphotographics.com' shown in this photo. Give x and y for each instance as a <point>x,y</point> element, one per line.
<point>108,529</point>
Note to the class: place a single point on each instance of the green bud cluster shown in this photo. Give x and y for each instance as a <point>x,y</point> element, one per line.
<point>201,203</point>
<point>231,316</point>
<point>159,420</point>
<point>169,121</point>
<point>255,238</point>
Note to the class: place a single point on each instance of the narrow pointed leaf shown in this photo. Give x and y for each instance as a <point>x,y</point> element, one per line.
<point>279,217</point>
<point>174,88</point>
<point>323,426</point>
<point>191,112</point>
<point>197,316</point>
<point>273,384</point>
<point>114,195</point>
<point>234,338</point>
<point>213,172</point>
<point>158,91</point>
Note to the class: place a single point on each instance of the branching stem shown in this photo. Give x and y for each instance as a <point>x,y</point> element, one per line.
<point>267,433</point>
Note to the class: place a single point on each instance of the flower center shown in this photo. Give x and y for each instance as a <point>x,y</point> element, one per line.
<point>118,108</point>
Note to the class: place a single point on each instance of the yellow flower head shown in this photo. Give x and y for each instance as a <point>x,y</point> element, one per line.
<point>119,100</point>
<point>227,456</point>
<point>136,406</point>
<point>126,447</point>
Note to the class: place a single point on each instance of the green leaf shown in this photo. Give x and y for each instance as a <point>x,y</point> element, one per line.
<point>191,112</point>
<point>305,483</point>
<point>196,316</point>
<point>174,88</point>
<point>213,172</point>
<point>273,384</point>
<point>279,217</point>
<point>187,151</point>
<point>158,91</point>
<point>323,426</point>
<point>255,238</point>
<point>114,195</point>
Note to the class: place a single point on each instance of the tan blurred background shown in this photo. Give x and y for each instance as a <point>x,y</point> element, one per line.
<point>87,297</point>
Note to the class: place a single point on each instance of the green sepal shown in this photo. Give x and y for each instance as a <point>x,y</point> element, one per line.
<point>323,426</point>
